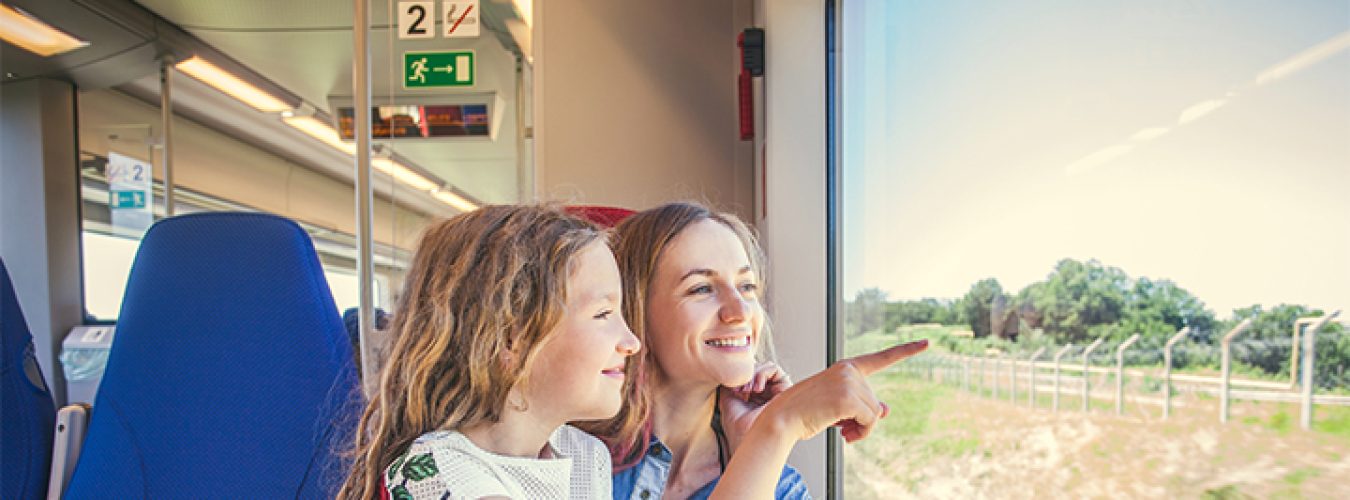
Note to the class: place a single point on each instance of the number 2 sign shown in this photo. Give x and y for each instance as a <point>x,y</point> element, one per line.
<point>417,20</point>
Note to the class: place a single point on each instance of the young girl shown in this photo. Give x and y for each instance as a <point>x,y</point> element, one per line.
<point>509,327</point>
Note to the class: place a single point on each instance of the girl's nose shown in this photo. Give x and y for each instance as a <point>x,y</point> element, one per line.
<point>629,344</point>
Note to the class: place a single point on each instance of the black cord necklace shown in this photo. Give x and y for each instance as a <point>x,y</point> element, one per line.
<point>721,434</point>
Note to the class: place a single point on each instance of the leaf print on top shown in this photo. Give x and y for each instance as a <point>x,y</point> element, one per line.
<point>393,469</point>
<point>420,467</point>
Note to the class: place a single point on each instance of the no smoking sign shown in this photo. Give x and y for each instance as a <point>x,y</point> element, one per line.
<point>457,18</point>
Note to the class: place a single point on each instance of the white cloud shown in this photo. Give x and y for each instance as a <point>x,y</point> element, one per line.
<point>1199,109</point>
<point>1149,134</point>
<point>1302,60</point>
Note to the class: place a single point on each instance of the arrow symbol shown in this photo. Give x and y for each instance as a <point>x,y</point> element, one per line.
<point>449,68</point>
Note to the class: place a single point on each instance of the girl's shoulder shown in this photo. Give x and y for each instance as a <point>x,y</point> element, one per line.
<point>416,473</point>
<point>574,443</point>
<point>438,463</point>
<point>590,461</point>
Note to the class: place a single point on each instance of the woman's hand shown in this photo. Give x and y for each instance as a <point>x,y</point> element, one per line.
<point>837,396</point>
<point>740,406</point>
<point>840,395</point>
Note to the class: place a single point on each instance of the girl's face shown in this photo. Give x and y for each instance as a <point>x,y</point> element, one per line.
<point>578,372</point>
<point>703,309</point>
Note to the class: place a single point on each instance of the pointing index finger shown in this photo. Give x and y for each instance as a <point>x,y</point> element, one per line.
<point>873,362</point>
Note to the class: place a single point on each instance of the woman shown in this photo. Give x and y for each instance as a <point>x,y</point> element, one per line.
<point>692,286</point>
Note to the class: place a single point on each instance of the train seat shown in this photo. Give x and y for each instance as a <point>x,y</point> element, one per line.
<point>28,410</point>
<point>601,215</point>
<point>231,375</point>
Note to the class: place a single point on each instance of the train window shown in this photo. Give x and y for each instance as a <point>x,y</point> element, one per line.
<point>122,192</point>
<point>1098,212</point>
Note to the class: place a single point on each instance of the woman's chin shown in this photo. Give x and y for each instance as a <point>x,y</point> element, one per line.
<point>733,378</point>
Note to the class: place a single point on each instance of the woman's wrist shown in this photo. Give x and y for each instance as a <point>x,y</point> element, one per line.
<point>775,425</point>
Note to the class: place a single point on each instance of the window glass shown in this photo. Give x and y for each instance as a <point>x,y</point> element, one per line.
<point>117,133</point>
<point>1027,179</point>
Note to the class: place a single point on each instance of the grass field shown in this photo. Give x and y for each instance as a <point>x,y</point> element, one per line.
<point>943,442</point>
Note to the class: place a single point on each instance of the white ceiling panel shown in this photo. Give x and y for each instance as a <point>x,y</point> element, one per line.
<point>305,46</point>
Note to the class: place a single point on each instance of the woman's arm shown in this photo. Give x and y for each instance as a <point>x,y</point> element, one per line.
<point>838,395</point>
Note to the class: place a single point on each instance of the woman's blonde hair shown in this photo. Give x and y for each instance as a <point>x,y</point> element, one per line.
<point>638,242</point>
<point>484,290</point>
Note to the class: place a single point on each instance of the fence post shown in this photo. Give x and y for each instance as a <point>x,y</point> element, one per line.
<point>1031,375</point>
<point>981,377</point>
<point>965,373</point>
<point>1058,355</point>
<point>1120,373</point>
<point>1227,368</point>
<point>1012,371</point>
<point>1087,401</point>
<point>1309,358</point>
<point>1167,370</point>
<point>998,372</point>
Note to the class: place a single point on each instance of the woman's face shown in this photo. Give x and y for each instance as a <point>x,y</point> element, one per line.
<point>703,310</point>
<point>578,373</point>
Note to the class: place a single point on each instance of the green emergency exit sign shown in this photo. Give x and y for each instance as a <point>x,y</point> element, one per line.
<point>438,69</point>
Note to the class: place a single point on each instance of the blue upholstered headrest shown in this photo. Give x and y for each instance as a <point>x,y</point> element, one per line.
<point>231,374</point>
<point>26,408</point>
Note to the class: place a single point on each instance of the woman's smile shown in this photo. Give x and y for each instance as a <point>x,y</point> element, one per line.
<point>735,343</point>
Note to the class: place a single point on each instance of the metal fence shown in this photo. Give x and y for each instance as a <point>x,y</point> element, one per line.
<point>1026,378</point>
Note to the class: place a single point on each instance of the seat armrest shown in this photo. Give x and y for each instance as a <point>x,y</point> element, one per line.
<point>71,422</point>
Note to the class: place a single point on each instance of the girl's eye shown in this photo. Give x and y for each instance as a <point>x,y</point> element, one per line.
<point>749,287</point>
<point>603,315</point>
<point>701,289</point>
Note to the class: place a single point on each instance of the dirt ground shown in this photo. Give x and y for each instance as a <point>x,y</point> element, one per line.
<point>942,442</point>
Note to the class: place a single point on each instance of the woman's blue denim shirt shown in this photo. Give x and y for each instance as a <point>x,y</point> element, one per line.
<point>647,479</point>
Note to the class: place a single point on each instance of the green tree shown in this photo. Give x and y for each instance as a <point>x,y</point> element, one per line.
<point>977,302</point>
<point>1157,309</point>
<point>1267,343</point>
<point>1077,296</point>
<point>927,310</point>
<point>866,312</point>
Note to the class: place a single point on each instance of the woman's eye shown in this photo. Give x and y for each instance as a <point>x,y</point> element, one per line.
<point>749,287</point>
<point>603,314</point>
<point>701,289</point>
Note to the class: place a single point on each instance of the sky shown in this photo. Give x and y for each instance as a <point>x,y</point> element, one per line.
<point>1203,142</point>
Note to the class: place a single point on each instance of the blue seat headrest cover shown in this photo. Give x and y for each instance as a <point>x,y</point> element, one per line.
<point>231,375</point>
<point>26,406</point>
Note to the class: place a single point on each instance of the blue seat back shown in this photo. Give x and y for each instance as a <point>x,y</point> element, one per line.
<point>231,375</point>
<point>27,408</point>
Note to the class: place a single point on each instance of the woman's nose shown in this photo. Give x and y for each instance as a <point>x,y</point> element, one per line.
<point>734,308</point>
